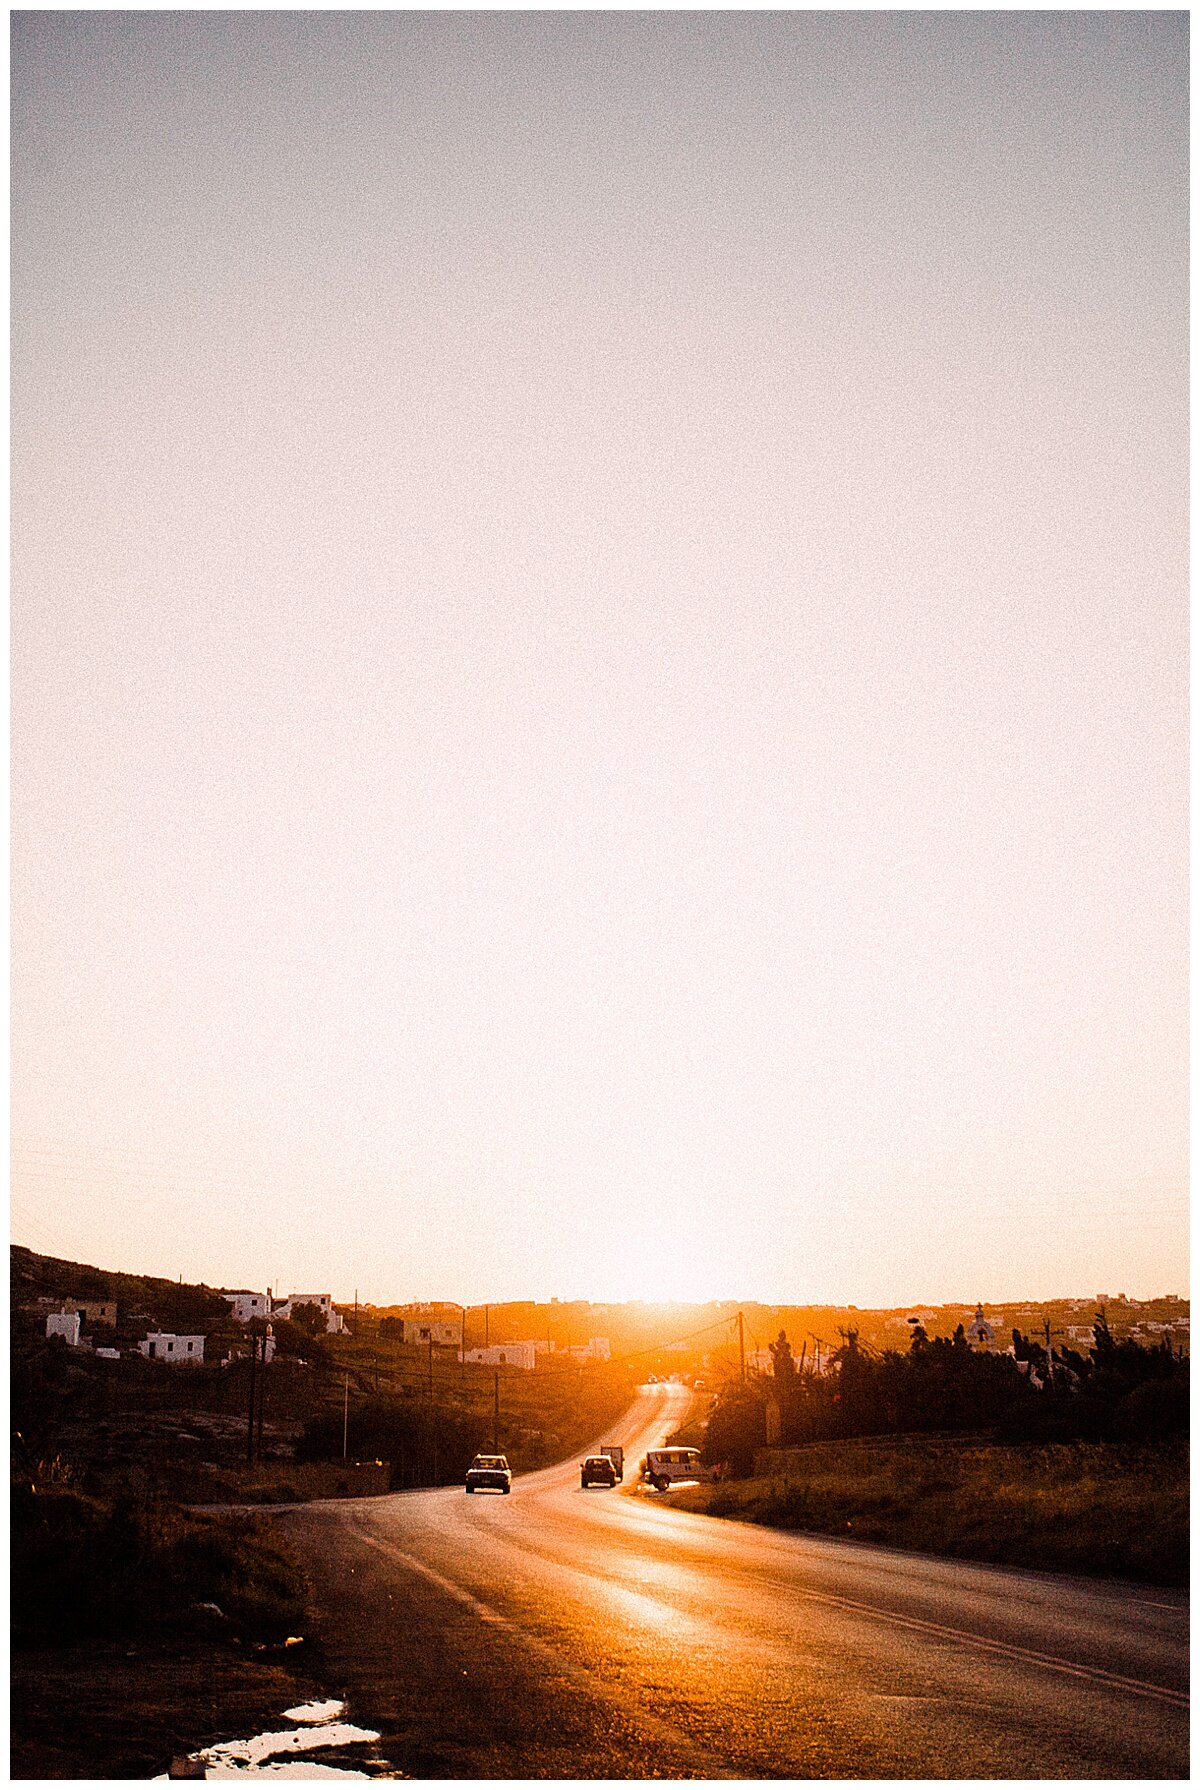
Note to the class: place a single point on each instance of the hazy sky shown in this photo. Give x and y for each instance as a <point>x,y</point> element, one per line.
<point>599,668</point>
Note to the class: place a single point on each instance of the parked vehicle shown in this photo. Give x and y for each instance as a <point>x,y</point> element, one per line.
<point>616,1455</point>
<point>671,1466</point>
<point>489,1471</point>
<point>597,1469</point>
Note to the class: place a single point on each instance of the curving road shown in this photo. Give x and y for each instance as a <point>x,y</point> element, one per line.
<point>600,1634</point>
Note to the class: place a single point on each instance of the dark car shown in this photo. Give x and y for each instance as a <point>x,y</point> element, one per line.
<point>597,1470</point>
<point>489,1472</point>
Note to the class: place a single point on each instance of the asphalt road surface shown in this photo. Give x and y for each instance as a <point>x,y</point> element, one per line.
<point>600,1634</point>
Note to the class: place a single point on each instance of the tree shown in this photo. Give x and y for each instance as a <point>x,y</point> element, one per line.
<point>736,1427</point>
<point>783,1364</point>
<point>310,1319</point>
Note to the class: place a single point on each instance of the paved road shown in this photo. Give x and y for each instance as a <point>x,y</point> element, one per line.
<point>562,1633</point>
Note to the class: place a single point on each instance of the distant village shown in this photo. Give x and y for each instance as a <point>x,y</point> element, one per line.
<point>83,1323</point>
<point>1071,1322</point>
<point>92,1325</point>
<point>522,1335</point>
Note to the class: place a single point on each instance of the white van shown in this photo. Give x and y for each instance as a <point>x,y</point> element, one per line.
<point>669,1466</point>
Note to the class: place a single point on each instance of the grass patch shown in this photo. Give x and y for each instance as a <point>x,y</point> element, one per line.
<point>1107,1509</point>
<point>84,1566</point>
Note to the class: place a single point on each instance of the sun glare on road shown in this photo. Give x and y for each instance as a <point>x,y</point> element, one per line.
<point>639,1610</point>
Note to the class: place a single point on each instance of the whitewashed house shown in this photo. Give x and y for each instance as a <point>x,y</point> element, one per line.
<point>64,1323</point>
<point>162,1345</point>
<point>248,1305</point>
<point>512,1354</point>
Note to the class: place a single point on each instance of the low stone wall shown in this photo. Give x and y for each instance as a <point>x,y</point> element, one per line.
<point>777,1463</point>
<point>324,1479</point>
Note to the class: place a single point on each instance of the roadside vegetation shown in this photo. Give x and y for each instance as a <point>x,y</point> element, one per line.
<point>543,1417</point>
<point>1108,1509</point>
<point>1119,1391</point>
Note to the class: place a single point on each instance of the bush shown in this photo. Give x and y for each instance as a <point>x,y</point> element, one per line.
<point>424,1445</point>
<point>1157,1408</point>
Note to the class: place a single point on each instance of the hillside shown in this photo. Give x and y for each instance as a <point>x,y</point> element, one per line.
<point>171,1305</point>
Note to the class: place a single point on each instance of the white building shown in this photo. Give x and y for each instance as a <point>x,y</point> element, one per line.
<point>162,1345</point>
<point>248,1305</point>
<point>64,1323</point>
<point>513,1354</point>
<point>334,1322</point>
<point>440,1332</point>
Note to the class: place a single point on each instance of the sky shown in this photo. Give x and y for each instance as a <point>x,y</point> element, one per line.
<point>599,667</point>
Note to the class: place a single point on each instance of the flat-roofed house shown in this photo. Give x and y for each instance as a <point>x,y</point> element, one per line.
<point>163,1345</point>
<point>65,1324</point>
<point>248,1305</point>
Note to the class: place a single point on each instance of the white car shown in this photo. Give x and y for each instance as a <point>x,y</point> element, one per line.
<point>489,1472</point>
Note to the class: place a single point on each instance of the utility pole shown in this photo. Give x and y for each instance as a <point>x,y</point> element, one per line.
<point>262,1396</point>
<point>432,1420</point>
<point>486,1310</point>
<point>496,1414</point>
<point>250,1420</point>
<point>741,1324</point>
<point>1049,1351</point>
<point>345,1413</point>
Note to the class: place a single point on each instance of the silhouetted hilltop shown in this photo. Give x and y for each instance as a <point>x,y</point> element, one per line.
<point>171,1305</point>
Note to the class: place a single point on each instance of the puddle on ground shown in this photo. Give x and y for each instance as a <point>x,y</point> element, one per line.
<point>314,1712</point>
<point>281,1753</point>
